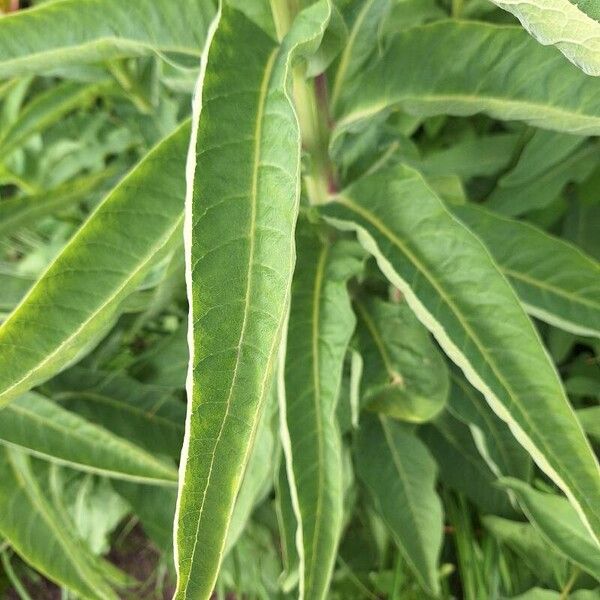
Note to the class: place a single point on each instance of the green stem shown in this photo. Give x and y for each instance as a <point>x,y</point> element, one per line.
<point>310,99</point>
<point>12,576</point>
<point>567,589</point>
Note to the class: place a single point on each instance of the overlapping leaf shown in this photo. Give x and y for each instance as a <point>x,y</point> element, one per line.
<point>56,34</point>
<point>555,281</point>
<point>320,327</point>
<point>404,375</point>
<point>77,298</point>
<point>34,528</point>
<point>240,258</point>
<point>400,474</point>
<point>559,524</point>
<point>457,291</point>
<point>472,68</point>
<point>39,426</point>
<point>573,26</point>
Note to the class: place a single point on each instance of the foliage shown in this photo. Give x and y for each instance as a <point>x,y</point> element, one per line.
<point>361,238</point>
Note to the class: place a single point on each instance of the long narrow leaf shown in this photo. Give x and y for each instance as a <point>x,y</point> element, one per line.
<point>37,425</point>
<point>457,291</point>
<point>56,34</point>
<point>556,282</point>
<point>239,263</point>
<point>320,327</point>
<point>79,295</point>
<point>474,67</point>
<point>571,25</point>
<point>399,474</point>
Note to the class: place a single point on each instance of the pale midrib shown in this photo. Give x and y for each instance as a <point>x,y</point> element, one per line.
<point>31,491</point>
<point>49,357</point>
<point>537,109</point>
<point>400,470</point>
<point>77,434</point>
<point>547,286</point>
<point>343,66</point>
<point>316,309</point>
<point>264,89</point>
<point>394,239</point>
<point>377,339</point>
<point>124,406</point>
<point>491,426</point>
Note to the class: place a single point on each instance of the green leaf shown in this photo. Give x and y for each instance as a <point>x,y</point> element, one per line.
<point>38,426</point>
<point>525,540</point>
<point>36,531</point>
<point>472,68</point>
<point>590,421</point>
<point>559,524</point>
<point>404,376</point>
<point>22,211</point>
<point>362,41</point>
<point>458,293</point>
<point>147,415</point>
<point>400,476</point>
<point>46,109</point>
<point>493,438</point>
<point>78,297</point>
<point>258,474</point>
<point>70,32</point>
<point>555,281</point>
<point>570,25</point>
<point>240,258</point>
<point>461,465</point>
<point>320,326</point>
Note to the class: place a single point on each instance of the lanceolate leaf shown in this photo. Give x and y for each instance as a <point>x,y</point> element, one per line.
<point>147,415</point>
<point>362,40</point>
<point>457,291</point>
<point>37,425</point>
<point>559,524</point>
<point>404,375</point>
<point>570,25</point>
<point>78,31</point>
<point>555,281</point>
<point>22,211</point>
<point>461,465</point>
<point>474,67</point>
<point>400,475</point>
<point>35,530</point>
<point>320,327</point>
<point>77,298</point>
<point>46,109</point>
<point>240,259</point>
<point>503,454</point>
<point>590,421</point>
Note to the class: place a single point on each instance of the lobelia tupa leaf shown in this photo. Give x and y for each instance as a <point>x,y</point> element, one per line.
<point>399,475</point>
<point>554,280</point>
<point>404,375</point>
<point>57,34</point>
<point>78,297</point>
<point>573,26</point>
<point>474,67</point>
<point>321,324</point>
<point>36,425</point>
<point>558,523</point>
<point>459,294</point>
<point>34,528</point>
<point>240,258</point>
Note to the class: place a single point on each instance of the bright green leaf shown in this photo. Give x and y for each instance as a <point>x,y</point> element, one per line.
<point>457,292</point>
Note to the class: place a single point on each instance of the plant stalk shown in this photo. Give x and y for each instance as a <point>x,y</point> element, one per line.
<point>311,103</point>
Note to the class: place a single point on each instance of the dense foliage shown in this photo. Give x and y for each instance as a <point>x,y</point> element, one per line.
<point>302,297</point>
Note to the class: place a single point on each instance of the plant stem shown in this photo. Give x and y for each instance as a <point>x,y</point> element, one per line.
<point>567,589</point>
<point>311,102</point>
